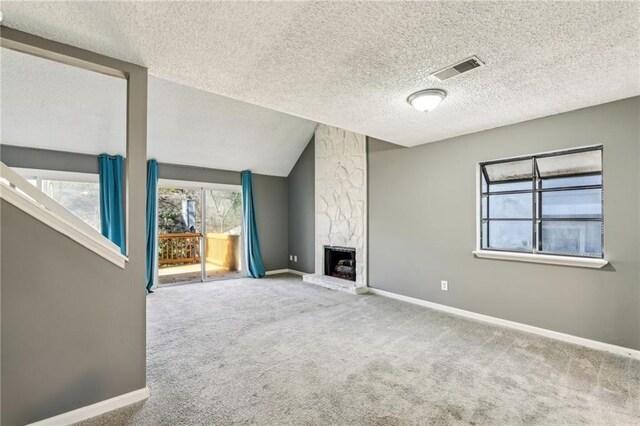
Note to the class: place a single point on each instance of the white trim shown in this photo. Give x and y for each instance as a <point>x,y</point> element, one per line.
<point>62,225</point>
<point>530,257</point>
<point>478,218</point>
<point>583,262</point>
<point>203,228</point>
<point>57,175</point>
<point>47,202</point>
<point>593,344</point>
<point>52,205</point>
<point>93,410</point>
<point>277,271</point>
<point>174,183</point>
<point>295,272</point>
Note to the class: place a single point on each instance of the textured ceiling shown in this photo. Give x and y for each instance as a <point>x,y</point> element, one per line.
<point>352,64</point>
<point>54,106</point>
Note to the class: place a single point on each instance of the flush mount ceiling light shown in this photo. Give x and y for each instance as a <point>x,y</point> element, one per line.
<point>426,100</point>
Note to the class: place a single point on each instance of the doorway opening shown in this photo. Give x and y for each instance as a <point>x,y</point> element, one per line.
<point>199,232</point>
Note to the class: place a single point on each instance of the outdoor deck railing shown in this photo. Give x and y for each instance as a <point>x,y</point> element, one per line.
<point>179,248</point>
<point>223,250</point>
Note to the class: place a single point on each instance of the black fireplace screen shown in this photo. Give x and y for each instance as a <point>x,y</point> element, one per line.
<point>340,262</point>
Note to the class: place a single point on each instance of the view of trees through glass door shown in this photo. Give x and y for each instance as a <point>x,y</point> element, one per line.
<point>223,215</point>
<point>198,234</point>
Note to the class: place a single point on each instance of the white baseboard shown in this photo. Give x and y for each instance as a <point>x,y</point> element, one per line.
<point>593,344</point>
<point>277,271</point>
<point>96,409</point>
<point>284,271</point>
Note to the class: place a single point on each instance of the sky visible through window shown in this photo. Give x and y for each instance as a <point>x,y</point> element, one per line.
<point>544,204</point>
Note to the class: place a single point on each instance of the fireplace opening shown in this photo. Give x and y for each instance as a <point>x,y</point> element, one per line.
<point>340,262</point>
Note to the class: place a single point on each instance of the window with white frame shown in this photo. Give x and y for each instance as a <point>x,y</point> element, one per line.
<point>77,192</point>
<point>544,204</point>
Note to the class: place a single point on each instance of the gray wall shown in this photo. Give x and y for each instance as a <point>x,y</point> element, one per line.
<point>270,192</point>
<point>45,159</point>
<point>199,174</point>
<point>270,199</point>
<point>301,188</point>
<point>422,227</point>
<point>73,324</point>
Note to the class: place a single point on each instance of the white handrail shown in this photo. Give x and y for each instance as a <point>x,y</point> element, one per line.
<point>29,198</point>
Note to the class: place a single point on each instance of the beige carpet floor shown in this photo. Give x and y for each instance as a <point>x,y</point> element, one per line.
<point>278,351</point>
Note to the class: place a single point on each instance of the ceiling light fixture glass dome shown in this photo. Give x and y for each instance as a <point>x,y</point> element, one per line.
<point>427,100</point>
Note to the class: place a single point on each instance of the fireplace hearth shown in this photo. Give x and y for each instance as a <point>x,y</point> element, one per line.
<point>340,262</point>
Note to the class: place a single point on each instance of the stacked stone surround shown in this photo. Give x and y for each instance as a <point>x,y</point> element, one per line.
<point>341,195</point>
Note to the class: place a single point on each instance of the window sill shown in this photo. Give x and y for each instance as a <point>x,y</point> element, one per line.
<point>582,262</point>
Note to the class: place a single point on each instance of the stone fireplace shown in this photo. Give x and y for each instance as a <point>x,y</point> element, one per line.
<point>340,209</point>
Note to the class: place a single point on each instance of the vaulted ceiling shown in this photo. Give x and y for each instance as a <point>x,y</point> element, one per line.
<point>353,64</point>
<point>50,105</point>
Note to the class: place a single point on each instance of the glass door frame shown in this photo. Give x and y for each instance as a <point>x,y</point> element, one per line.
<point>203,187</point>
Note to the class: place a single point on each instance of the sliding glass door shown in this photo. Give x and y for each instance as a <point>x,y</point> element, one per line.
<point>223,215</point>
<point>179,235</point>
<point>199,233</point>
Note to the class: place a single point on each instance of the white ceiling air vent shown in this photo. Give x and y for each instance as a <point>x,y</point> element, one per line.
<point>459,68</point>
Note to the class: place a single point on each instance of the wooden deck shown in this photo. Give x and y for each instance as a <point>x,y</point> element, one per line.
<point>187,273</point>
<point>179,257</point>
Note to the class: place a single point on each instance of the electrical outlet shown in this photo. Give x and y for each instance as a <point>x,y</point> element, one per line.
<point>444,285</point>
<point>295,258</point>
<point>290,257</point>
